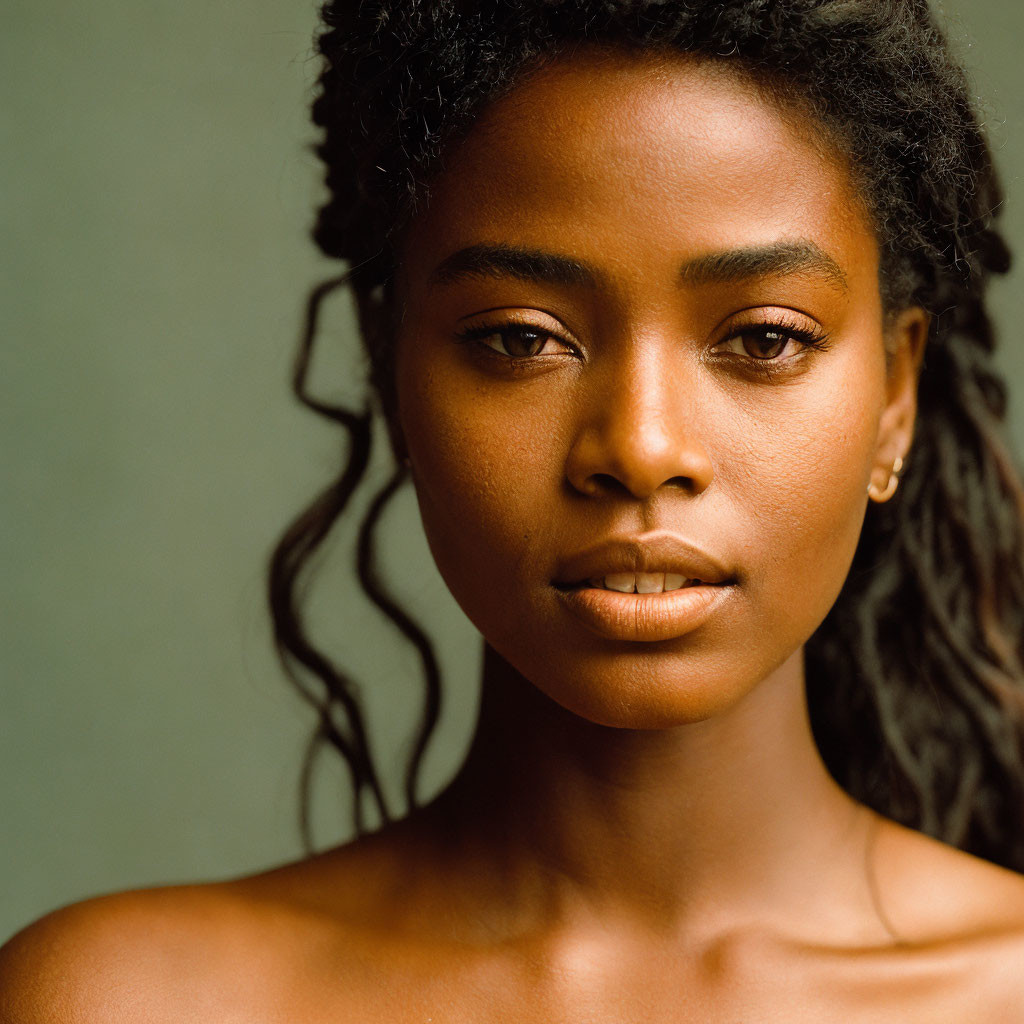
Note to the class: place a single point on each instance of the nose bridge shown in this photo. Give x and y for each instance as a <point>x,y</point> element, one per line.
<point>641,430</point>
<point>640,409</point>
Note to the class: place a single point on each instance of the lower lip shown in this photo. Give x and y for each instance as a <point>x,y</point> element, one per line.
<point>646,618</point>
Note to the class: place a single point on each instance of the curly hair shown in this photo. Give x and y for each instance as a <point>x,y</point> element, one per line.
<point>914,679</point>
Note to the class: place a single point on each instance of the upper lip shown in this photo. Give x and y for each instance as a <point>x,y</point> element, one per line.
<point>647,553</point>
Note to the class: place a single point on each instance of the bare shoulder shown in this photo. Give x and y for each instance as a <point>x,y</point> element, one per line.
<point>135,955</point>
<point>962,910</point>
<point>237,950</point>
<point>248,949</point>
<point>937,889</point>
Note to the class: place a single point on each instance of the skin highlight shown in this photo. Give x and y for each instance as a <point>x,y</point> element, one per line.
<point>641,830</point>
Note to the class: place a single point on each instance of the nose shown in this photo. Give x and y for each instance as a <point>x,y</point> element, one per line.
<point>640,434</point>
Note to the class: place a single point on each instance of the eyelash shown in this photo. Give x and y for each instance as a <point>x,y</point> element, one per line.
<point>785,328</point>
<point>480,331</point>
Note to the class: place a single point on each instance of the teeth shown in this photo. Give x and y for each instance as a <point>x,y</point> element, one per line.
<point>650,582</point>
<point>624,582</point>
<point>642,582</point>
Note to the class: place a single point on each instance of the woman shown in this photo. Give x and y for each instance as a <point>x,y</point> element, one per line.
<point>676,320</point>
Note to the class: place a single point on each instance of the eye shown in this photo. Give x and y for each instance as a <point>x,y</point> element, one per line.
<point>771,343</point>
<point>519,341</point>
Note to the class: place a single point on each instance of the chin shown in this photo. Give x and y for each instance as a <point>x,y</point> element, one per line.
<point>659,688</point>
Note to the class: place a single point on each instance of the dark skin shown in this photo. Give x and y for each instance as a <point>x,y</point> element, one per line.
<point>643,829</point>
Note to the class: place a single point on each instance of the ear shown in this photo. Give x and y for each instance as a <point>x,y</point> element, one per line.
<point>905,342</point>
<point>377,327</point>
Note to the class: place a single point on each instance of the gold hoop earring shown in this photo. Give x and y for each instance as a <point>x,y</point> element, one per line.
<point>890,487</point>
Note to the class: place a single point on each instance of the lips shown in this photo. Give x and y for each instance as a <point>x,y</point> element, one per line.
<point>644,589</point>
<point>652,554</point>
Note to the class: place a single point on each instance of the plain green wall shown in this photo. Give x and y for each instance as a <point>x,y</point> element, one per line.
<point>157,187</point>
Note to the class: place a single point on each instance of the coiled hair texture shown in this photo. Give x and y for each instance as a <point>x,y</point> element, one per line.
<point>915,678</point>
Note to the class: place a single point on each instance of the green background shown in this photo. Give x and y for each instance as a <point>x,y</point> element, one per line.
<point>157,190</point>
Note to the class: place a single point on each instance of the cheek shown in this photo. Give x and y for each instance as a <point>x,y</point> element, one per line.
<point>803,489</point>
<point>488,475</point>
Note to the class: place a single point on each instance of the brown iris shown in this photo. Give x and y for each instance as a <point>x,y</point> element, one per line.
<point>521,341</point>
<point>767,345</point>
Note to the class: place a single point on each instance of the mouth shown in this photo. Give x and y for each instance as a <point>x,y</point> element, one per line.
<point>648,588</point>
<point>637,583</point>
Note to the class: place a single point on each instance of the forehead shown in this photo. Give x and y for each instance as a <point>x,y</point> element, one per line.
<point>632,160</point>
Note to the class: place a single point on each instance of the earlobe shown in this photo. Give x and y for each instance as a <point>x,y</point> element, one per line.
<point>905,345</point>
<point>882,496</point>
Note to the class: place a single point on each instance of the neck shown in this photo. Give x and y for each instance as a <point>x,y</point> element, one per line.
<point>697,822</point>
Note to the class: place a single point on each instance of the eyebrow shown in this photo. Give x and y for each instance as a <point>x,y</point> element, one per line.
<point>512,261</point>
<point>774,259</point>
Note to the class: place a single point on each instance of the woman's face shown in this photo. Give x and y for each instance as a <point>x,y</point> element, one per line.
<point>642,346</point>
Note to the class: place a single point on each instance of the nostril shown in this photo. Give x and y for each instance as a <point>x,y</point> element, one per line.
<point>605,483</point>
<point>616,466</point>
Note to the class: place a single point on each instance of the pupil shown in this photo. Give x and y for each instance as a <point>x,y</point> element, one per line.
<point>765,346</point>
<point>524,342</point>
